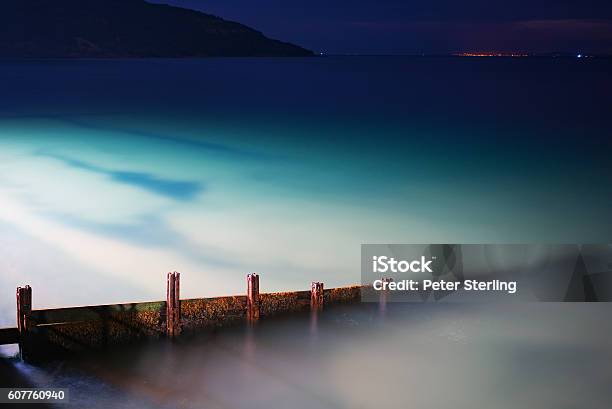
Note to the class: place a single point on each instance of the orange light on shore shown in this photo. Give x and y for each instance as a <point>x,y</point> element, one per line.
<point>491,54</point>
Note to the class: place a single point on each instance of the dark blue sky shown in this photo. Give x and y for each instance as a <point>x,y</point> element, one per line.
<point>430,26</point>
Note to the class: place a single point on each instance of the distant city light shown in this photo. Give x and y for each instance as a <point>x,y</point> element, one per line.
<point>491,54</point>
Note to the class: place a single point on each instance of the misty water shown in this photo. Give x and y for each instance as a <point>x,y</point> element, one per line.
<point>537,355</point>
<point>114,172</point>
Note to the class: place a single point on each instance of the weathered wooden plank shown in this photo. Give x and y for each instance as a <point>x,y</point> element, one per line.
<point>84,335</point>
<point>206,313</point>
<point>9,336</point>
<point>94,312</point>
<point>343,294</point>
<point>81,328</point>
<point>214,305</point>
<point>286,302</point>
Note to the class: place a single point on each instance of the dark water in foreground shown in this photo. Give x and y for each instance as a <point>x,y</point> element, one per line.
<point>544,356</point>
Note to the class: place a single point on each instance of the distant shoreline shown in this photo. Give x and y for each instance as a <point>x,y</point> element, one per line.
<point>471,55</point>
<point>307,57</point>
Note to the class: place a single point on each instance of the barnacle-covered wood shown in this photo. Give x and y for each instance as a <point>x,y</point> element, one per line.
<point>96,312</point>
<point>112,329</point>
<point>82,328</point>
<point>276,303</point>
<point>202,313</point>
<point>342,295</point>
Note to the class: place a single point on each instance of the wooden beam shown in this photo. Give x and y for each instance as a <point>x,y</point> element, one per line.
<point>9,336</point>
<point>93,312</point>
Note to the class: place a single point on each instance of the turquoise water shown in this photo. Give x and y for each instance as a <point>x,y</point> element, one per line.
<point>114,172</point>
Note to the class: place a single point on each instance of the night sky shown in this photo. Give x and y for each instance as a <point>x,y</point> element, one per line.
<point>424,26</point>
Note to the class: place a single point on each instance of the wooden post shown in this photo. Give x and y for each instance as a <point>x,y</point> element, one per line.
<point>173,305</point>
<point>24,323</point>
<point>252,298</point>
<point>316,296</point>
<point>384,294</point>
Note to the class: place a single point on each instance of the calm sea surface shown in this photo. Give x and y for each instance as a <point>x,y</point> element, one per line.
<point>114,172</point>
<point>426,356</point>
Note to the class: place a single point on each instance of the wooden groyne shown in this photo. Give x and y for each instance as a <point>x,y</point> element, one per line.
<point>99,326</point>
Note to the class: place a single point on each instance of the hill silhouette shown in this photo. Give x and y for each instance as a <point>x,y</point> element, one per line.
<point>125,28</point>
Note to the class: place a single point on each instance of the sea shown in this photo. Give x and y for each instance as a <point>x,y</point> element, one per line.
<point>114,172</point>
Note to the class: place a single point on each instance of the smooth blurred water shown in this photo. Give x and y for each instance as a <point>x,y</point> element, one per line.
<point>114,172</point>
<point>538,355</point>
